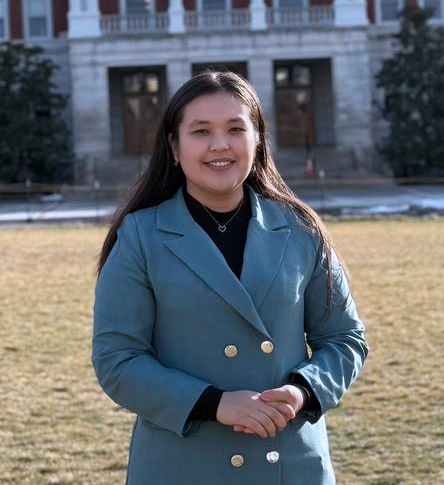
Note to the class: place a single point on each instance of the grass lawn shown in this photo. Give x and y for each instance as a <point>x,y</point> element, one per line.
<point>57,427</point>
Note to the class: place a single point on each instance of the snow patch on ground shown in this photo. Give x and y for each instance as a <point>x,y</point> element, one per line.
<point>57,215</point>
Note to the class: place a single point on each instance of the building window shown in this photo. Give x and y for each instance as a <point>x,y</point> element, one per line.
<point>38,18</point>
<point>436,6</point>
<point>213,5</point>
<point>292,75</point>
<point>390,10</point>
<point>138,6</point>
<point>292,3</point>
<point>3,18</point>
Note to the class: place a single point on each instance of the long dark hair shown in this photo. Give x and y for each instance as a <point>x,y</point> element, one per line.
<point>162,178</point>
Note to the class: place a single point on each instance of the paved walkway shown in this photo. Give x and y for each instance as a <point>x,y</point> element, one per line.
<point>375,199</point>
<point>324,197</point>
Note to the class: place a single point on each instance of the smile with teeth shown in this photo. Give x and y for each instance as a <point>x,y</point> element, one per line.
<point>219,163</point>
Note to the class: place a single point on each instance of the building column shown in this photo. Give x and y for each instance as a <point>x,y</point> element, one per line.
<point>351,13</point>
<point>90,112</point>
<point>261,76</point>
<point>178,73</point>
<point>176,14</point>
<point>352,88</point>
<point>84,19</point>
<point>258,15</point>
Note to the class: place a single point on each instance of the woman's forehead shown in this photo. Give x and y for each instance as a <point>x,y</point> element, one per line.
<point>216,107</point>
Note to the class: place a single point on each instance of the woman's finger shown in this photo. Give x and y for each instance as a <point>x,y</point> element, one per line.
<point>267,423</point>
<point>285,409</point>
<point>278,394</point>
<point>256,426</point>
<point>279,420</point>
<point>243,429</point>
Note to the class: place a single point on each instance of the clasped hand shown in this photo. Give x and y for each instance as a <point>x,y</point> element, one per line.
<point>263,413</point>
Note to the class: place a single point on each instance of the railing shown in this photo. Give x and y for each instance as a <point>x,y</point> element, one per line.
<point>134,24</point>
<point>301,16</point>
<point>217,19</point>
<point>198,20</point>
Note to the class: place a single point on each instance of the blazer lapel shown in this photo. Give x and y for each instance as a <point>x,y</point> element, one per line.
<point>262,258</point>
<point>267,240</point>
<point>196,249</point>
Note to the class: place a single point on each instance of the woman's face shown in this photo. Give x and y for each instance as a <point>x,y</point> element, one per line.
<point>216,148</point>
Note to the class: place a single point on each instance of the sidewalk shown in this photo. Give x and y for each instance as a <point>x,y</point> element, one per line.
<point>324,198</point>
<point>375,199</point>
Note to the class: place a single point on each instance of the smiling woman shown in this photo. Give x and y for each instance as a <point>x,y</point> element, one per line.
<point>217,158</point>
<point>213,280</point>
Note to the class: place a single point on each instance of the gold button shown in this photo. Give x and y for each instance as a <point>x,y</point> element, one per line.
<point>237,460</point>
<point>230,351</point>
<point>272,456</point>
<point>267,347</point>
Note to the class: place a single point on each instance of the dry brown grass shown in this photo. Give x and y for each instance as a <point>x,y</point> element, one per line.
<point>57,427</point>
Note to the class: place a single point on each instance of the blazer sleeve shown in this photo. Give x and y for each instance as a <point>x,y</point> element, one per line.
<point>123,356</point>
<point>335,337</point>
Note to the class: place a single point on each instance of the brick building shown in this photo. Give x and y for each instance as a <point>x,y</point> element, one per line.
<point>312,62</point>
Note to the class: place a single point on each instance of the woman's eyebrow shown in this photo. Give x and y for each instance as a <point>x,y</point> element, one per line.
<point>204,122</point>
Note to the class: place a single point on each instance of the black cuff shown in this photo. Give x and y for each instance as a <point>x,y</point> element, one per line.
<point>305,394</point>
<point>206,406</point>
<point>311,402</point>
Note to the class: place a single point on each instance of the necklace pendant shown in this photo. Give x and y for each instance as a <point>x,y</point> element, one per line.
<point>222,228</point>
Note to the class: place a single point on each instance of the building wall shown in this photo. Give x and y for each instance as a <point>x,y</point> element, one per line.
<point>371,10</point>
<point>381,47</point>
<point>345,62</point>
<point>347,52</point>
<point>15,16</point>
<point>59,12</point>
<point>324,104</point>
<point>116,112</point>
<point>108,7</point>
<point>59,17</point>
<point>56,48</point>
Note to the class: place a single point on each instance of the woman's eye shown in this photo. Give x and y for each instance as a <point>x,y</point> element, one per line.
<point>235,129</point>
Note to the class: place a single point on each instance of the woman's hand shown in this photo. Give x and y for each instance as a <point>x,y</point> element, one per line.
<point>246,410</point>
<point>288,395</point>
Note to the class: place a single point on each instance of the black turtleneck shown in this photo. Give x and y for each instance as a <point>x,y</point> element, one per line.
<point>231,243</point>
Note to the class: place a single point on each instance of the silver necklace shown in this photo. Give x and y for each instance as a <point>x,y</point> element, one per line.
<point>223,227</point>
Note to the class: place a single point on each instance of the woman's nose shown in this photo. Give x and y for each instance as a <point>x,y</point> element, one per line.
<point>219,142</point>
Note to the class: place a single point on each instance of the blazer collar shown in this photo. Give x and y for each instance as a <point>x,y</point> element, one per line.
<point>267,239</point>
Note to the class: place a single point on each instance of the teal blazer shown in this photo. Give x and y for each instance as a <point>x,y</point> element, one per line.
<point>167,305</point>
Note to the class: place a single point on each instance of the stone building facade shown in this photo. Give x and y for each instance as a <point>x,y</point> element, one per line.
<point>312,62</point>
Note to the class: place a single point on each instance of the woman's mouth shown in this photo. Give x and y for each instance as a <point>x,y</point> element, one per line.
<point>220,163</point>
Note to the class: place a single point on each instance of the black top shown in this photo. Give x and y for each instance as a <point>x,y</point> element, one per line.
<point>231,243</point>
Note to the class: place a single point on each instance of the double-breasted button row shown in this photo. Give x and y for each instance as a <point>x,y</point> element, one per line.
<point>266,347</point>
<point>238,460</point>
<point>272,456</point>
<point>230,351</point>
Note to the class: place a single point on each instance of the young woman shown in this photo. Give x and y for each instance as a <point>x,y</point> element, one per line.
<point>223,317</point>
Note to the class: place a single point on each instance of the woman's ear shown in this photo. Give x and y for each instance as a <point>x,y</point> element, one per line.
<point>173,146</point>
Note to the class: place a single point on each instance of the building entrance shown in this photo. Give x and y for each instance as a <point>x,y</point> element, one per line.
<point>304,110</point>
<point>142,109</point>
<point>294,105</point>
